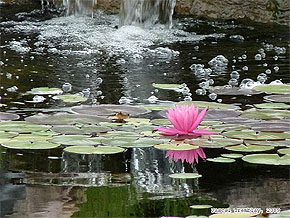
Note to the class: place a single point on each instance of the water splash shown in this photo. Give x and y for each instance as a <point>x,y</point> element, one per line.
<point>146,12</point>
<point>79,7</point>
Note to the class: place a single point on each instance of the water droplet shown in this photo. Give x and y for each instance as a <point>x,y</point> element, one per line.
<point>86,93</point>
<point>245,68</point>
<point>276,68</point>
<point>275,58</point>
<point>187,98</point>
<point>66,87</point>
<point>265,65</point>
<point>244,56</point>
<point>262,77</point>
<point>125,100</point>
<point>235,75</point>
<point>276,82</point>
<point>233,82</point>
<point>38,99</point>
<point>258,57</point>
<point>121,61</point>
<point>247,84</point>
<point>152,99</point>
<point>268,71</point>
<point>99,81</point>
<point>98,93</point>
<point>12,89</point>
<point>219,100</point>
<point>200,92</point>
<point>212,96</point>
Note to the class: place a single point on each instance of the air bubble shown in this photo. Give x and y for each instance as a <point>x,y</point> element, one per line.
<point>262,77</point>
<point>245,68</point>
<point>233,82</point>
<point>66,87</point>
<point>235,75</point>
<point>200,92</point>
<point>258,57</point>
<point>268,71</point>
<point>212,96</point>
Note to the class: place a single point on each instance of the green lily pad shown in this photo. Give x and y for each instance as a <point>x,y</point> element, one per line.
<point>249,148</point>
<point>272,106</point>
<point>160,122</point>
<point>221,160</point>
<point>228,127</point>
<point>8,116</point>
<point>137,121</point>
<point>6,136</point>
<point>69,98</point>
<point>167,86</point>
<point>65,119</point>
<point>31,137</point>
<point>45,91</point>
<point>252,135</point>
<point>24,144</point>
<point>209,105</point>
<point>269,159</point>
<point>266,114</point>
<point>278,98</point>
<point>47,133</point>
<point>215,141</point>
<point>274,89</point>
<point>233,91</point>
<point>233,155</point>
<point>157,107</point>
<point>115,134</point>
<point>22,127</point>
<point>82,130</point>
<point>284,151</point>
<point>76,140</point>
<point>109,109</point>
<point>185,175</point>
<point>147,142</point>
<point>110,124</point>
<point>150,133</point>
<point>210,122</point>
<point>279,143</point>
<point>201,206</point>
<point>271,126</point>
<point>94,150</point>
<point>176,147</point>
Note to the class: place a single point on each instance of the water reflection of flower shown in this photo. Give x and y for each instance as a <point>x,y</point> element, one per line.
<point>185,120</point>
<point>190,156</point>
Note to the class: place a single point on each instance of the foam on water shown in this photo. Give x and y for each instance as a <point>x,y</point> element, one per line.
<point>83,35</point>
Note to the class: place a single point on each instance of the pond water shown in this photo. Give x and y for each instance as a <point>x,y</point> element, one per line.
<point>111,65</point>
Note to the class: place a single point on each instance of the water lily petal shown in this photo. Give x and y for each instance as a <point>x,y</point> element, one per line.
<point>198,119</point>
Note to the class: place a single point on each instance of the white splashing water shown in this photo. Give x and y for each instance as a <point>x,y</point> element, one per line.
<point>79,7</point>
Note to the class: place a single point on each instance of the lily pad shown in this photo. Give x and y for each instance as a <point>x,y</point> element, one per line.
<point>176,147</point>
<point>278,98</point>
<point>228,127</point>
<point>8,116</point>
<point>137,121</point>
<point>269,159</point>
<point>233,155</point>
<point>279,143</point>
<point>24,144</point>
<point>201,206</point>
<point>69,98</point>
<point>234,91</point>
<point>65,119</point>
<point>265,114</point>
<point>115,134</point>
<point>274,89</point>
<point>167,86</point>
<point>94,150</point>
<point>150,133</point>
<point>76,140</point>
<point>45,91</point>
<point>233,215</point>
<point>185,175</point>
<point>221,160</point>
<point>145,142</point>
<point>22,127</point>
<point>82,130</point>
<point>160,122</point>
<point>6,136</point>
<point>252,135</point>
<point>272,126</point>
<point>214,142</point>
<point>249,148</point>
<point>109,109</point>
<point>157,107</point>
<point>284,151</point>
<point>272,106</point>
<point>209,105</point>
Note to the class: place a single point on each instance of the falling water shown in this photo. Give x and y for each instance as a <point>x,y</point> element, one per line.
<point>146,12</point>
<point>79,7</point>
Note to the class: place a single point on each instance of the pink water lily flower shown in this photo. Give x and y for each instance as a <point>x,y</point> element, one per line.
<point>190,156</point>
<point>185,120</point>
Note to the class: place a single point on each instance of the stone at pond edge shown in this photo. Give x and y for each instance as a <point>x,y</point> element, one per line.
<point>94,150</point>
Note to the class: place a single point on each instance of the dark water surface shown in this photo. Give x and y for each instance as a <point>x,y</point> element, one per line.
<point>43,49</point>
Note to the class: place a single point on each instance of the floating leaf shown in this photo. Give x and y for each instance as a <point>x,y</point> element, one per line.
<point>278,143</point>
<point>233,215</point>
<point>214,142</point>
<point>6,136</point>
<point>22,127</point>
<point>150,133</point>
<point>265,114</point>
<point>221,160</point>
<point>69,98</point>
<point>115,134</point>
<point>65,119</point>
<point>252,135</point>
<point>161,122</point>
<point>272,106</point>
<point>23,144</point>
<point>269,159</point>
<point>157,107</point>
<point>275,89</point>
<point>167,86</point>
<point>109,109</point>
<point>45,91</point>
<point>138,121</point>
<point>176,147</point>
<point>47,133</point>
<point>249,148</point>
<point>272,126</point>
<point>85,129</point>
<point>76,140</point>
<point>232,155</point>
<point>209,105</point>
<point>201,206</point>
<point>278,98</point>
<point>8,116</point>
<point>284,151</point>
<point>234,91</point>
<point>94,150</point>
<point>210,122</point>
<point>185,175</point>
<point>228,127</point>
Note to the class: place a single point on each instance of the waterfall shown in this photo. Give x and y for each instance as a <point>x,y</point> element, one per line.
<point>146,12</point>
<point>79,7</point>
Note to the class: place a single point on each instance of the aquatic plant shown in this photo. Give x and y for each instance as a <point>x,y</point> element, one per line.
<point>185,120</point>
<point>190,156</point>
